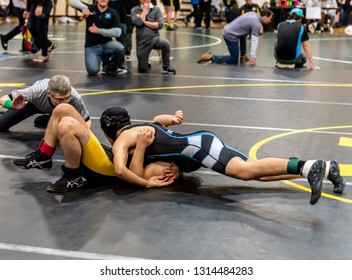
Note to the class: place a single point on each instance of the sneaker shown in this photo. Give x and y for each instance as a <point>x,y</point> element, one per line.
<point>245,58</point>
<point>284,65</point>
<point>3,42</point>
<point>41,121</point>
<point>35,160</point>
<point>108,69</point>
<point>315,178</point>
<point>66,183</point>
<point>311,28</point>
<point>169,70</point>
<point>335,177</point>
<point>205,57</point>
<point>121,71</point>
<point>331,30</point>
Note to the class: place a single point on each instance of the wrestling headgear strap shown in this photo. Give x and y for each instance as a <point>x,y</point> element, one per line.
<point>113,119</point>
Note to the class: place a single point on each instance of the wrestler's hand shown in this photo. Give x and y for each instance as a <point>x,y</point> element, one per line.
<point>19,102</point>
<point>145,137</point>
<point>178,117</point>
<point>159,181</point>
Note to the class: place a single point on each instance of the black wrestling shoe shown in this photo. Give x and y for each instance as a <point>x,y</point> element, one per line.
<point>35,160</point>
<point>315,178</point>
<point>66,183</point>
<point>41,121</point>
<point>335,177</point>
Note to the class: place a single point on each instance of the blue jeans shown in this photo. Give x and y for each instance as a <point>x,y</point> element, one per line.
<point>110,53</point>
<point>234,47</point>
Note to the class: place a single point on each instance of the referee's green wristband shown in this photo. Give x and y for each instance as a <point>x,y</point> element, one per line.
<point>7,104</point>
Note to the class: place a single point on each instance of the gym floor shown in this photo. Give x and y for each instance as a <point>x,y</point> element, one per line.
<point>262,111</point>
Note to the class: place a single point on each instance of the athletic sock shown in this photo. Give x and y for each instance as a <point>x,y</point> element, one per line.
<point>294,165</point>
<point>306,167</point>
<point>327,169</point>
<point>72,172</point>
<point>46,149</point>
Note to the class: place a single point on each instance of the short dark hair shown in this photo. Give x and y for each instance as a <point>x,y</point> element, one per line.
<point>265,12</point>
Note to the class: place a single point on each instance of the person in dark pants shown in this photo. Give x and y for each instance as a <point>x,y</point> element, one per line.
<point>40,98</point>
<point>290,35</point>
<point>19,6</point>
<point>129,27</point>
<point>204,13</point>
<point>194,13</point>
<point>38,12</point>
<point>149,20</point>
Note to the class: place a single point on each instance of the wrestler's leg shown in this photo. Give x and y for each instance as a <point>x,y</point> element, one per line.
<point>60,111</point>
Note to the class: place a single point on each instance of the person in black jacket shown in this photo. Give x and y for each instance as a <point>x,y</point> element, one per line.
<point>102,24</point>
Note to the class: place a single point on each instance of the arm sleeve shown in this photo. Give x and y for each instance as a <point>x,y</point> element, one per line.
<point>111,32</point>
<point>254,46</point>
<point>78,5</point>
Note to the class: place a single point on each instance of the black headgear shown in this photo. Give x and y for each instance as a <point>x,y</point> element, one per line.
<point>113,119</point>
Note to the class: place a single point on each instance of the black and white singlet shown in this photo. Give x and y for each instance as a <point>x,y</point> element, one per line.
<point>201,148</point>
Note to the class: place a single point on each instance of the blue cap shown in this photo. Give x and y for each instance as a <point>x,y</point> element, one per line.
<point>297,11</point>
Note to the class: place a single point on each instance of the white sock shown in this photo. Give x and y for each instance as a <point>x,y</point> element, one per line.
<point>327,169</point>
<point>306,167</point>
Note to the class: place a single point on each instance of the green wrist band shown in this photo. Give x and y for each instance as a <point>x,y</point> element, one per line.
<point>7,104</point>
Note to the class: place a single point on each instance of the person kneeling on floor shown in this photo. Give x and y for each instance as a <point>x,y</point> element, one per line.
<point>287,49</point>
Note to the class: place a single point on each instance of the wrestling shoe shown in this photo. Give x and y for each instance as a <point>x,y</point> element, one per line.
<point>36,159</point>
<point>67,182</point>
<point>169,70</point>
<point>315,178</point>
<point>335,177</point>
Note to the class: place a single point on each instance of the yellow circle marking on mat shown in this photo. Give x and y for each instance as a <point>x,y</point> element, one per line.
<point>257,146</point>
